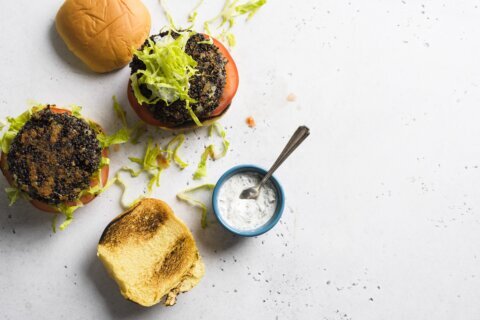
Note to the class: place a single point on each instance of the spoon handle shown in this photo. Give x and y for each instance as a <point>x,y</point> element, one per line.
<point>300,134</point>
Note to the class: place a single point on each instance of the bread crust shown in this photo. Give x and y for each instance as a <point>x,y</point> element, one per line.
<point>150,253</point>
<point>103,33</point>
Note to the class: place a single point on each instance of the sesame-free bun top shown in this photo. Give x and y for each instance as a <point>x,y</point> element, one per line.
<point>103,33</point>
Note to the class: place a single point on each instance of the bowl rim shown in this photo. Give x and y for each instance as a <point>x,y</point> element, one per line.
<point>278,211</point>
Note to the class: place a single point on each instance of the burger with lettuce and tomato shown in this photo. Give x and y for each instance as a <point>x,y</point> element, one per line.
<point>55,159</point>
<point>181,80</point>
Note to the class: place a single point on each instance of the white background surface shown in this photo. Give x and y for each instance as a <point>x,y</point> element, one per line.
<point>382,215</point>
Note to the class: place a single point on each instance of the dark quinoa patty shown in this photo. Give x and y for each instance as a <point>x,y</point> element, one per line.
<point>54,156</point>
<point>206,87</point>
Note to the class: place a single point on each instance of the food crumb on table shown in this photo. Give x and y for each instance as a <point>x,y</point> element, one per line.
<point>291,97</point>
<point>251,122</point>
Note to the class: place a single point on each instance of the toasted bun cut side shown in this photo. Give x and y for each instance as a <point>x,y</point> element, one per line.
<point>150,253</point>
<point>102,33</point>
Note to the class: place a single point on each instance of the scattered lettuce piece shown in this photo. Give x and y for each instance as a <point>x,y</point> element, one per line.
<point>186,197</point>
<point>209,151</point>
<point>167,14</point>
<point>119,111</point>
<point>249,7</point>
<point>231,10</point>
<point>68,213</point>
<point>231,39</point>
<point>222,134</point>
<point>202,165</point>
<point>76,111</point>
<point>123,135</point>
<point>13,194</point>
<point>119,181</point>
<point>154,161</point>
<point>192,17</point>
<point>119,137</point>
<point>179,140</point>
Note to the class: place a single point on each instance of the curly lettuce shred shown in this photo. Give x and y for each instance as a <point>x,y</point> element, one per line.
<point>154,161</point>
<point>226,18</point>
<point>168,71</point>
<point>209,151</point>
<point>13,195</point>
<point>173,150</point>
<point>185,196</point>
<point>123,135</point>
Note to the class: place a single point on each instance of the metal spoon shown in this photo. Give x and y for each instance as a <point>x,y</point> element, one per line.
<point>300,134</point>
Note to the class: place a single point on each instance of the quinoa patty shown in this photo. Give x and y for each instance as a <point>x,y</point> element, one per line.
<point>54,156</point>
<point>206,87</point>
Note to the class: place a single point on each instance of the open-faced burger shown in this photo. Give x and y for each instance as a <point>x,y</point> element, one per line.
<point>181,80</point>
<point>53,158</point>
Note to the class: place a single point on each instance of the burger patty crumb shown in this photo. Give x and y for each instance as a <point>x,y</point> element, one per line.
<point>206,87</point>
<point>54,156</point>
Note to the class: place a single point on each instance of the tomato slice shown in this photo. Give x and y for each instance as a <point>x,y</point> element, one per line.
<point>45,206</point>
<point>229,91</point>
<point>231,82</point>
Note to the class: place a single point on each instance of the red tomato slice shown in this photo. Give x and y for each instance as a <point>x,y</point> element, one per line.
<point>232,80</point>
<point>231,86</point>
<point>45,206</point>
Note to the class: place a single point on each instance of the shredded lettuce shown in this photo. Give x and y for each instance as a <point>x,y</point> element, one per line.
<point>232,41</point>
<point>123,135</point>
<point>168,71</point>
<point>231,10</point>
<point>13,195</point>
<point>154,161</point>
<point>186,197</point>
<point>173,151</point>
<point>119,181</point>
<point>76,111</point>
<point>167,14</point>
<point>119,111</point>
<point>202,165</point>
<point>192,17</point>
<point>15,125</point>
<point>68,212</point>
<point>119,137</point>
<point>209,151</point>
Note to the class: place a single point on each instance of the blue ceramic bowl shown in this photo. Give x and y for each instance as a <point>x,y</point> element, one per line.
<point>262,229</point>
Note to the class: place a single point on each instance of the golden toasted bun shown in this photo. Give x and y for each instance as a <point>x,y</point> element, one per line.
<point>103,33</point>
<point>150,253</point>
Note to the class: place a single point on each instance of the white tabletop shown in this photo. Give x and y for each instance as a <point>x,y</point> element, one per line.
<point>383,200</point>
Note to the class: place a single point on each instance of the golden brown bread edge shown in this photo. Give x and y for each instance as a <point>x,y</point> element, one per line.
<point>103,33</point>
<point>150,253</point>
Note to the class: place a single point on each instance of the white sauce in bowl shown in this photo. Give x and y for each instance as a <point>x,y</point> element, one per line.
<point>246,214</point>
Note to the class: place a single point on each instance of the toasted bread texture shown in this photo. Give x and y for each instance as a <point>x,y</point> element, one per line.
<point>151,254</point>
